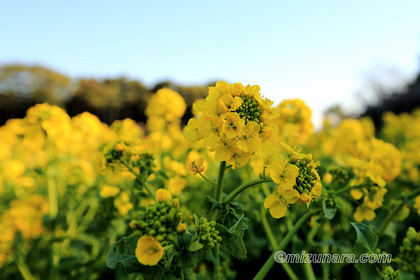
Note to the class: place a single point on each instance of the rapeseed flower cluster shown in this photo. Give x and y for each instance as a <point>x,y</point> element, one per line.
<point>297,179</point>
<point>233,121</point>
<point>156,226</point>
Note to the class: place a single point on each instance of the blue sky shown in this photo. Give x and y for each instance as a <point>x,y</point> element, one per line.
<point>319,51</point>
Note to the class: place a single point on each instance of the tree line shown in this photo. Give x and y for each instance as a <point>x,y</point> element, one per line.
<point>22,86</point>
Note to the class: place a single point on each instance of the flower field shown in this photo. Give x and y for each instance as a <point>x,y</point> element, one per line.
<point>215,199</point>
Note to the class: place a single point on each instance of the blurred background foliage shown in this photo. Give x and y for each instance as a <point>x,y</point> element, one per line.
<point>22,86</point>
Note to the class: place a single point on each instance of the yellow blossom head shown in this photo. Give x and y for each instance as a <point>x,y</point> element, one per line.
<point>196,165</point>
<point>234,121</point>
<point>149,251</point>
<point>162,195</point>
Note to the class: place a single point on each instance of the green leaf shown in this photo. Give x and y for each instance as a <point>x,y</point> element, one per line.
<point>366,242</point>
<point>196,220</point>
<point>232,238</point>
<point>211,204</point>
<point>230,214</point>
<point>122,252</point>
<point>186,258</point>
<point>407,276</point>
<point>184,240</point>
<point>195,244</point>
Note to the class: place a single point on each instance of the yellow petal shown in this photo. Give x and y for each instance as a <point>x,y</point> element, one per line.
<point>271,200</point>
<point>148,250</point>
<point>162,195</point>
<point>290,195</point>
<point>278,211</point>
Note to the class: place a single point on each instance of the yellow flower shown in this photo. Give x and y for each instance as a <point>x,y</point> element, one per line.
<point>234,120</point>
<point>364,212</point>
<point>278,203</point>
<point>233,125</point>
<point>327,178</point>
<point>123,204</point>
<point>196,165</point>
<point>284,175</point>
<point>166,103</point>
<point>162,195</point>
<point>249,140</point>
<point>293,119</point>
<point>264,157</point>
<point>109,191</point>
<point>149,251</point>
<point>417,205</point>
<point>176,185</point>
<point>232,103</point>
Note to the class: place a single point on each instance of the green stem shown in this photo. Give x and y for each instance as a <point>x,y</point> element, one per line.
<point>390,216</point>
<point>244,186</point>
<point>326,265</point>
<point>270,261</point>
<point>149,190</point>
<point>347,188</point>
<point>309,272</point>
<point>182,273</point>
<point>218,197</point>
<point>219,189</point>
<point>52,194</point>
<point>312,233</point>
<point>274,244</point>
<point>267,228</point>
<point>414,194</point>
<point>146,186</point>
<point>266,190</point>
<point>208,180</point>
<point>24,269</point>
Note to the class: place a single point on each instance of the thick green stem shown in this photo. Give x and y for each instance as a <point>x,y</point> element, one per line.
<point>219,188</point>
<point>244,186</point>
<point>218,197</point>
<point>270,261</point>
<point>24,269</point>
<point>267,229</point>
<point>309,272</point>
<point>274,244</point>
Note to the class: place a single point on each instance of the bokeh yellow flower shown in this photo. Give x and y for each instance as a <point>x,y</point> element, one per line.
<point>162,195</point>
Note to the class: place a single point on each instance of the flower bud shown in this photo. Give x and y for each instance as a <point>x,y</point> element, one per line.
<point>181,228</point>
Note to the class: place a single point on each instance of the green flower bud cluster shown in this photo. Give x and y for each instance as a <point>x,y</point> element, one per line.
<point>145,161</point>
<point>160,220</point>
<point>305,181</point>
<point>409,257</point>
<point>330,203</point>
<point>249,110</point>
<point>114,154</point>
<point>207,233</point>
<point>339,175</point>
<point>388,273</point>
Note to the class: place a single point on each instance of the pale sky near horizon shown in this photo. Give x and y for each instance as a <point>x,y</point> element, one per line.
<point>319,51</point>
